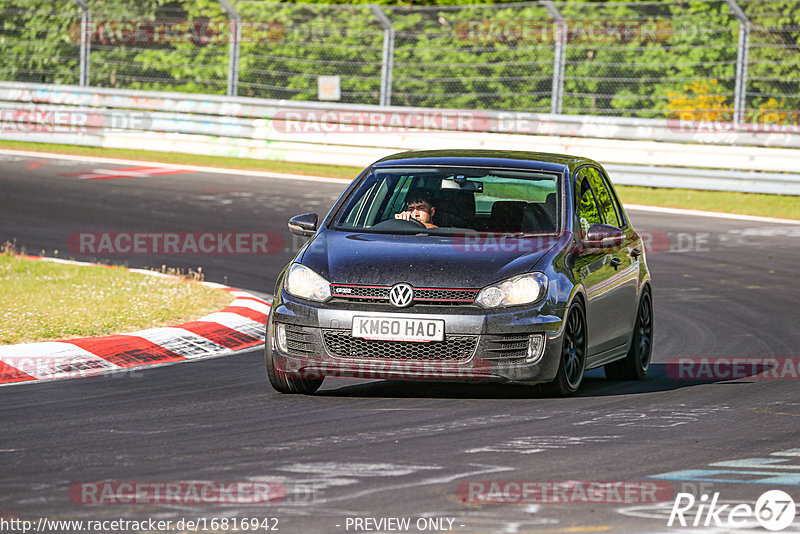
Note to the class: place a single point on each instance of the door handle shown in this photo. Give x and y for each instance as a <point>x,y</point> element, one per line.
<point>635,252</point>
<point>615,262</point>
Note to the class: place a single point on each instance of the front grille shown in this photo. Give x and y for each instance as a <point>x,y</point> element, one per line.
<point>341,344</point>
<point>425,295</point>
<point>505,347</point>
<point>464,295</point>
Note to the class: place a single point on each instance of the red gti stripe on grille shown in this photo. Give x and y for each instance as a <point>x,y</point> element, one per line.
<point>345,295</point>
<point>444,289</point>
<point>444,300</point>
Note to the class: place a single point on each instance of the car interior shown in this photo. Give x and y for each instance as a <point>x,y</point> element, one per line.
<point>457,209</point>
<point>521,216</point>
<point>479,202</point>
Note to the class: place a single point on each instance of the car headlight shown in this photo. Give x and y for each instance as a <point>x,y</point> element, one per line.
<point>304,283</point>
<point>522,289</point>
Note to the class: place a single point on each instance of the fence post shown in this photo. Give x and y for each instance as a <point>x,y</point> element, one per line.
<point>387,62</point>
<point>86,42</point>
<point>740,92</point>
<point>559,56</point>
<point>235,47</point>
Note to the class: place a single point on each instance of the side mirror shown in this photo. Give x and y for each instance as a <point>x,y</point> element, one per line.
<point>604,236</point>
<point>304,225</point>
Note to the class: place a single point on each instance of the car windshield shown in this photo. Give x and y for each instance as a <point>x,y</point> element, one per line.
<point>453,199</point>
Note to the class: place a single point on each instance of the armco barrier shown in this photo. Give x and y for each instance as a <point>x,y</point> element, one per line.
<point>647,152</point>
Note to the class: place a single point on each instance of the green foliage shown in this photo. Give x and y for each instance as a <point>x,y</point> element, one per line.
<point>774,52</point>
<point>38,41</point>
<point>448,53</point>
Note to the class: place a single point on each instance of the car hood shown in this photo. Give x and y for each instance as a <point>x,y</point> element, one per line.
<point>422,261</point>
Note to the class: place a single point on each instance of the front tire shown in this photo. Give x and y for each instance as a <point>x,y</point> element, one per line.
<point>573,354</point>
<point>280,380</point>
<point>635,365</point>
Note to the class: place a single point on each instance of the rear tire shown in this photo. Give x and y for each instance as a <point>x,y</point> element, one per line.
<point>634,366</point>
<point>281,381</point>
<point>572,364</point>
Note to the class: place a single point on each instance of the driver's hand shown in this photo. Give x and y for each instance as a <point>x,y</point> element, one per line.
<point>406,215</point>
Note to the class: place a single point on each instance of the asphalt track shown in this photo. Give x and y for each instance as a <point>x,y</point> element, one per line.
<point>722,288</point>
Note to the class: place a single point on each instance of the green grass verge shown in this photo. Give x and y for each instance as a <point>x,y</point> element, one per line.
<point>46,301</point>
<point>781,206</point>
<point>786,207</point>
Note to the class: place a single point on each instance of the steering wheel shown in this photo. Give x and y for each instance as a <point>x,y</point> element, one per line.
<point>399,225</point>
<point>417,223</point>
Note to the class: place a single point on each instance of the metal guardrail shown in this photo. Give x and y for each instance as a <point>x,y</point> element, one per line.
<point>645,152</point>
<point>714,180</point>
<point>662,130</point>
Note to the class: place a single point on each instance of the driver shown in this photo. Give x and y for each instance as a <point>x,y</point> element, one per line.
<point>419,206</point>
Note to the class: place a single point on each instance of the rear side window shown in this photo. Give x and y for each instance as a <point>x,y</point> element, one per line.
<point>605,199</point>
<point>588,213</point>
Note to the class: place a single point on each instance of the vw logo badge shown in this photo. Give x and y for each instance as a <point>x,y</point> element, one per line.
<point>401,295</point>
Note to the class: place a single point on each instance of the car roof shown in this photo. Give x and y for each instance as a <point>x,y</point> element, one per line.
<point>485,158</point>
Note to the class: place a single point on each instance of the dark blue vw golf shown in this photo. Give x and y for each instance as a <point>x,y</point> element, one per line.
<point>465,265</point>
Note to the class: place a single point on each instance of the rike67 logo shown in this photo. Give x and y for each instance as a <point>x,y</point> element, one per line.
<point>774,510</point>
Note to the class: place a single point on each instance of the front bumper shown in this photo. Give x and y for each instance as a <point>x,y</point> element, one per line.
<point>480,345</point>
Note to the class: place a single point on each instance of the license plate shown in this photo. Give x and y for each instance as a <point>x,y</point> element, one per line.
<point>398,329</point>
